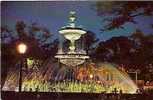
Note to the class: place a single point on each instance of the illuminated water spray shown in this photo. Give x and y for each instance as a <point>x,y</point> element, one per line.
<point>111,78</point>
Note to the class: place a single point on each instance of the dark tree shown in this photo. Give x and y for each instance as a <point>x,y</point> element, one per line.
<point>116,50</point>
<point>143,47</point>
<point>8,51</point>
<point>34,36</point>
<point>134,52</point>
<point>118,13</point>
<point>88,42</point>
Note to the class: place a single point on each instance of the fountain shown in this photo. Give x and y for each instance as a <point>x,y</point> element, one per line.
<point>72,33</point>
<point>86,78</point>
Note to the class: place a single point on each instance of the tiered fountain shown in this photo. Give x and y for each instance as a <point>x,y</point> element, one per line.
<point>89,78</point>
<point>72,33</point>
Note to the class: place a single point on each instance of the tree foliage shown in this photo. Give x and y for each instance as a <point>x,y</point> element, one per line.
<point>134,50</point>
<point>134,53</point>
<point>38,46</point>
<point>89,39</point>
<point>119,13</point>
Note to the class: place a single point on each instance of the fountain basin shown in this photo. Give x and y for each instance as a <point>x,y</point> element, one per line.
<point>72,34</point>
<point>72,59</point>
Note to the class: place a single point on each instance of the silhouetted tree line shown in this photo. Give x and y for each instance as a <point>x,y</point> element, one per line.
<point>117,14</point>
<point>34,36</point>
<point>134,52</point>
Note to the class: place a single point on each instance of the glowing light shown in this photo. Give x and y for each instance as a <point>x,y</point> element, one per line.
<point>91,76</point>
<point>30,62</point>
<point>22,48</point>
<point>5,88</point>
<point>17,89</point>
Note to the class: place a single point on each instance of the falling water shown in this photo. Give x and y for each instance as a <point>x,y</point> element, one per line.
<point>54,77</point>
<point>118,79</point>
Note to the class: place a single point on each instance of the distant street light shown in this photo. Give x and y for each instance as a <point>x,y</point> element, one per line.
<point>22,48</point>
<point>91,76</point>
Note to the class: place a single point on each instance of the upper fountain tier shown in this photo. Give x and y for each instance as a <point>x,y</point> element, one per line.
<point>71,31</point>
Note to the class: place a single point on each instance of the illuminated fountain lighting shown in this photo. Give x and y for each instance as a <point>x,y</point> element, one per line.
<point>111,78</point>
<point>72,33</point>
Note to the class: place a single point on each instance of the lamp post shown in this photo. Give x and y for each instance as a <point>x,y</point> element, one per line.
<point>22,48</point>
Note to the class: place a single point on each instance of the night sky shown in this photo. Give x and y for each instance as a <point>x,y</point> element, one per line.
<point>54,15</point>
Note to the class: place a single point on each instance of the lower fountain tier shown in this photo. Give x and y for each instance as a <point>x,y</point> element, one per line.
<point>72,59</point>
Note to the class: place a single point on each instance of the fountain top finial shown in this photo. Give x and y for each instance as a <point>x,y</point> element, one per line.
<point>72,18</point>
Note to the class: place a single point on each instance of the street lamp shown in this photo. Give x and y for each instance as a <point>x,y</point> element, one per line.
<point>21,48</point>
